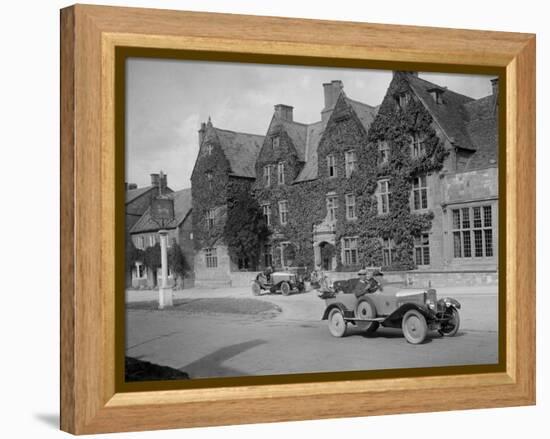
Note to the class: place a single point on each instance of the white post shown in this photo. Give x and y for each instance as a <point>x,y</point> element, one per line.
<point>165,293</point>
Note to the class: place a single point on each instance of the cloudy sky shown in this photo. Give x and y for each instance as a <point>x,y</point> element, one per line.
<point>167,101</point>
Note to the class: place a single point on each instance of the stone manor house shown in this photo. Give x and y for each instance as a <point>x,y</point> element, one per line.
<point>410,185</point>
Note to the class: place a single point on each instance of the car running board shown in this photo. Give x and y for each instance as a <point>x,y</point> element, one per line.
<point>376,319</point>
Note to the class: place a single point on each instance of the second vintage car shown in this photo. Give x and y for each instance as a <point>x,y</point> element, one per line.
<point>415,311</point>
<point>284,282</point>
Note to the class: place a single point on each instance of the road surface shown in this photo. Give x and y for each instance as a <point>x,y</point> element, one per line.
<point>296,341</point>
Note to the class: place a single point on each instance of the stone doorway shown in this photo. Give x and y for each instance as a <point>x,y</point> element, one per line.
<point>327,251</point>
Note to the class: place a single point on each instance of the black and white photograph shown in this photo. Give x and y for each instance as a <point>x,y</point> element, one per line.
<point>288,219</point>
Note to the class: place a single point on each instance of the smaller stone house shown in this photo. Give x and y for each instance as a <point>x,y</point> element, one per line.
<point>145,234</point>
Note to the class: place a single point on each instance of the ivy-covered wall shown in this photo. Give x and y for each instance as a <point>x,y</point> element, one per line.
<point>396,122</point>
<point>209,193</point>
<point>344,132</point>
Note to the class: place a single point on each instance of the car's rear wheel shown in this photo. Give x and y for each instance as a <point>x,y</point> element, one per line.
<point>365,310</point>
<point>414,327</point>
<point>336,323</point>
<point>256,290</point>
<point>285,288</point>
<point>450,328</point>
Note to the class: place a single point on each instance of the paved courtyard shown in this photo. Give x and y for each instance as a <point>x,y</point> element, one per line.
<point>296,340</point>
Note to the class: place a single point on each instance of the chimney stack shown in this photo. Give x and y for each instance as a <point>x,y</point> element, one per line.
<point>284,112</point>
<point>155,180</point>
<point>130,186</point>
<point>332,90</point>
<point>201,133</point>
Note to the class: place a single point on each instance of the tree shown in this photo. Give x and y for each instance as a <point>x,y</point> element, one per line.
<point>152,257</point>
<point>133,255</point>
<point>245,229</point>
<point>176,260</point>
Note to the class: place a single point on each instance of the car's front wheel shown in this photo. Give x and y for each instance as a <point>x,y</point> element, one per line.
<point>414,327</point>
<point>285,288</point>
<point>450,328</point>
<point>336,323</point>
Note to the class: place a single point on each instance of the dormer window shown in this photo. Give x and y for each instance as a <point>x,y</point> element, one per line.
<point>436,93</point>
<point>418,148</point>
<point>331,165</point>
<point>403,99</point>
<point>383,151</point>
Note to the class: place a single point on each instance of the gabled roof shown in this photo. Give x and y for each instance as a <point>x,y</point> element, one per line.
<point>482,127</point>
<point>132,194</point>
<point>241,150</point>
<point>450,115</point>
<point>365,113</point>
<point>182,208</point>
<point>298,134</point>
<point>309,171</point>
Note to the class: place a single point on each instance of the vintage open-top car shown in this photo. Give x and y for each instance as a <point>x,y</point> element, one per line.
<point>285,282</point>
<point>414,310</point>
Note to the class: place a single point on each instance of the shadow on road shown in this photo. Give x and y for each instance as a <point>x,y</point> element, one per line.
<point>211,365</point>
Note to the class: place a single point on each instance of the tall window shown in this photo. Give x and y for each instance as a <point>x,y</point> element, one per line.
<point>388,251</point>
<point>351,163</point>
<point>422,249</point>
<point>210,216</point>
<point>209,149</point>
<point>140,242</point>
<point>351,213</point>
<point>350,251</point>
<point>283,212</point>
<point>209,179</point>
<point>275,142</point>
<point>383,197</point>
<point>332,207</point>
<point>152,240</point>
<point>266,208</point>
<point>417,146</point>
<point>267,175</point>
<point>473,232</point>
<point>420,193</point>
<point>281,173</point>
<point>268,255</point>
<point>211,257</point>
<point>331,164</point>
<point>384,152</point>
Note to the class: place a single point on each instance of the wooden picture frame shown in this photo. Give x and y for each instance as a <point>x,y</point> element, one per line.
<point>90,35</point>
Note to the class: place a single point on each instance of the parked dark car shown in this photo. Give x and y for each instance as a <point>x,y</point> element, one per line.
<point>284,282</point>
